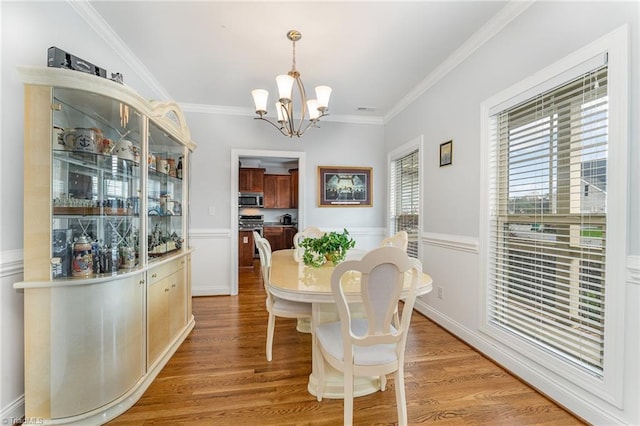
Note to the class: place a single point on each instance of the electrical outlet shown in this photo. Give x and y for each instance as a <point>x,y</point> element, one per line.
<point>440,293</point>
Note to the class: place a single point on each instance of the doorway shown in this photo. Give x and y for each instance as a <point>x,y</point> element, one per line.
<point>273,162</point>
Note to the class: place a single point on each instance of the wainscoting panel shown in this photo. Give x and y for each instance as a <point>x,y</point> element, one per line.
<point>11,337</point>
<point>210,262</point>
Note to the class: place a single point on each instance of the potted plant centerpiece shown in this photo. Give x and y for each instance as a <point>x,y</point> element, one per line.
<point>332,247</point>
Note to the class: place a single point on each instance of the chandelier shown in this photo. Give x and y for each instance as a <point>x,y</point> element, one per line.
<point>310,109</point>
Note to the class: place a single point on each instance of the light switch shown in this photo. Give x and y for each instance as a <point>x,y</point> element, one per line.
<point>245,240</point>
<point>212,211</point>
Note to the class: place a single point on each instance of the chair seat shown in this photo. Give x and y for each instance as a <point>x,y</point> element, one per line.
<point>330,337</point>
<point>287,308</point>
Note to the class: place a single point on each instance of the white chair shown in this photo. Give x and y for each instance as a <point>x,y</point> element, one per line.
<point>370,346</point>
<point>310,231</point>
<point>275,306</point>
<point>400,240</point>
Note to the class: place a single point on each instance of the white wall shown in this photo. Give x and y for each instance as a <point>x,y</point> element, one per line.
<point>450,109</point>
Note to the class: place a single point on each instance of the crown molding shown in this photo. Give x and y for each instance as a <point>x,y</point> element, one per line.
<point>100,26</point>
<point>485,33</point>
<point>248,112</point>
<point>507,14</point>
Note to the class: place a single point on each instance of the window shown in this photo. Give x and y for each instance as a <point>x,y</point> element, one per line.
<point>404,198</point>
<point>553,217</point>
<point>548,233</point>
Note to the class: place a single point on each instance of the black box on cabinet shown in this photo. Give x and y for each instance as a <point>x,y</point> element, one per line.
<point>58,58</point>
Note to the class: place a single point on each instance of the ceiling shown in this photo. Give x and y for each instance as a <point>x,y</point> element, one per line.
<point>373,54</point>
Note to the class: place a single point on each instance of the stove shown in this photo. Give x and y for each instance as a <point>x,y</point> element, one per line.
<point>251,222</point>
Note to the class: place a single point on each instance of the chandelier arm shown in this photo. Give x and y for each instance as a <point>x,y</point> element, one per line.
<point>273,124</point>
<point>309,124</point>
<point>287,111</point>
<point>303,104</point>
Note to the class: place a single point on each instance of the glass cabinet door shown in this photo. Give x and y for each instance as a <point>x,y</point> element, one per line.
<point>165,200</point>
<point>96,182</point>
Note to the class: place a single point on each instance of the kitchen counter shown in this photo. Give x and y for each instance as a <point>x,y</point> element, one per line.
<point>272,224</point>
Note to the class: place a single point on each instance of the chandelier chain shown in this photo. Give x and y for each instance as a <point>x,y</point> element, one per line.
<point>293,64</point>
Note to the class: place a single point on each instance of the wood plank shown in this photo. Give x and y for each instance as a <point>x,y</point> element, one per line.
<point>220,376</point>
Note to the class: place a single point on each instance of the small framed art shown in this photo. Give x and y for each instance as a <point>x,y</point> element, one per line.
<point>446,153</point>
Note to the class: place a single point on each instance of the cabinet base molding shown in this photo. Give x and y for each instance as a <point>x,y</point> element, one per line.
<point>118,406</point>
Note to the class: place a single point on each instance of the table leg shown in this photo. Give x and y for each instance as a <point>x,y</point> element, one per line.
<point>304,325</point>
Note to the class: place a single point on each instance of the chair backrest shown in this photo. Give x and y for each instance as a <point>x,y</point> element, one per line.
<point>264,251</point>
<point>383,271</point>
<point>400,240</point>
<point>310,231</point>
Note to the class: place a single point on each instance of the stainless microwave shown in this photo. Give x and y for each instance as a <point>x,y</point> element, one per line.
<point>251,199</point>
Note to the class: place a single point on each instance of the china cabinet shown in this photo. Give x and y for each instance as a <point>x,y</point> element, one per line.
<point>106,255</point>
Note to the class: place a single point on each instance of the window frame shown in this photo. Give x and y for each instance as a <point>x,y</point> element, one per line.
<point>610,386</point>
<point>407,148</point>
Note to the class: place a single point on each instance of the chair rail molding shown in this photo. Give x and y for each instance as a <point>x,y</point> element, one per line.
<point>633,269</point>
<point>11,262</point>
<point>451,242</point>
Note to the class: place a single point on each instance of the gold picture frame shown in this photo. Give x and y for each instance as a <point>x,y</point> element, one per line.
<point>345,186</point>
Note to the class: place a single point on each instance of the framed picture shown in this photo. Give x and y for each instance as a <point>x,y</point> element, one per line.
<point>345,186</point>
<point>446,153</point>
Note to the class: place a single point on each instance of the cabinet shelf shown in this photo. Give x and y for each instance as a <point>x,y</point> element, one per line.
<point>96,212</point>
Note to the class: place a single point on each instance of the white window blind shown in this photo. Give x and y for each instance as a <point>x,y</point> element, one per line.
<point>548,203</point>
<point>405,198</point>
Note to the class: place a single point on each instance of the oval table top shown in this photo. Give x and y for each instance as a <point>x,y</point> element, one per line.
<point>291,279</point>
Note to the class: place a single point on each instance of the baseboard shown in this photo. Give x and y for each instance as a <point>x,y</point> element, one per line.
<point>12,414</point>
<point>209,291</point>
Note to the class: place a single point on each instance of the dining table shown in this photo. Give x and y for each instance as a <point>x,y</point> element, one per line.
<point>292,280</point>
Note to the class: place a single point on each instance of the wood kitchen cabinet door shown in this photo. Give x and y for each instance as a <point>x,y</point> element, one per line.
<point>289,233</point>
<point>294,188</point>
<point>245,248</point>
<point>275,236</point>
<point>277,191</point>
<point>251,180</point>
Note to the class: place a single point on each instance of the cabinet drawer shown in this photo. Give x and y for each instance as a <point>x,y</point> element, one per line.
<point>162,271</point>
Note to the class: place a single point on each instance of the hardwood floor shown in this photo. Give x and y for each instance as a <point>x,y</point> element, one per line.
<point>220,376</point>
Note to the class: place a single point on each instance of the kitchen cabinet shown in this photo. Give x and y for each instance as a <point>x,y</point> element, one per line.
<point>293,173</point>
<point>289,232</point>
<point>251,180</point>
<point>245,248</point>
<point>106,199</point>
<point>277,191</point>
<point>280,237</point>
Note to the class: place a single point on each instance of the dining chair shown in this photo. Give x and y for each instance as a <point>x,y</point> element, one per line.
<point>400,239</point>
<point>370,346</point>
<point>309,231</point>
<point>276,307</point>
